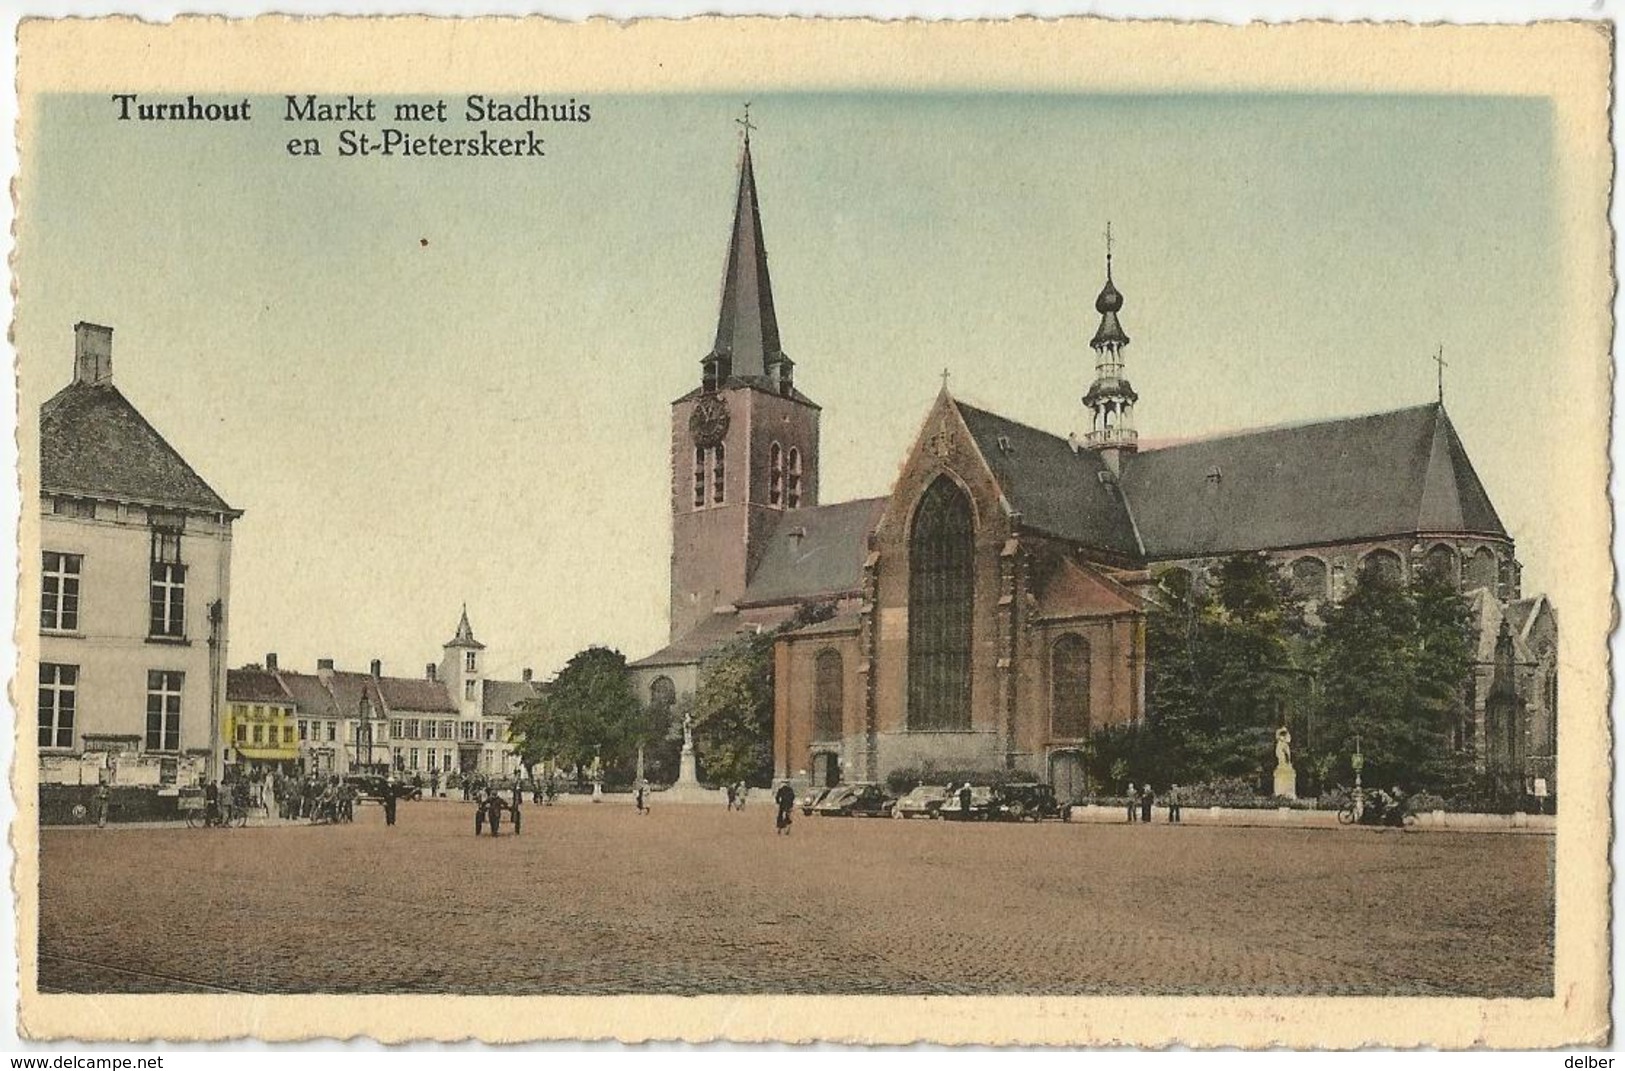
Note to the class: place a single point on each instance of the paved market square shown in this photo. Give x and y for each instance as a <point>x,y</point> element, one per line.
<point>695,899</point>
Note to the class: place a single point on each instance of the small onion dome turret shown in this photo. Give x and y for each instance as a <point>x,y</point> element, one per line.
<point>1109,300</point>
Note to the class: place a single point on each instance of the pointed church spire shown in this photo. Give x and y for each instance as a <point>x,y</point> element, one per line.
<point>747,345</point>
<point>1110,399</point>
<point>465,633</point>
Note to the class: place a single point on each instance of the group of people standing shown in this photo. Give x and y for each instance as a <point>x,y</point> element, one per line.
<point>736,795</point>
<point>1141,801</point>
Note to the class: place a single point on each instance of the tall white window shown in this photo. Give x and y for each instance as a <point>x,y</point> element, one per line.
<point>412,758</point>
<point>168,617</point>
<point>468,662</point>
<point>59,597</point>
<point>58,696</point>
<point>775,475</point>
<point>430,731</point>
<point>793,480</point>
<point>164,709</point>
<point>468,689</point>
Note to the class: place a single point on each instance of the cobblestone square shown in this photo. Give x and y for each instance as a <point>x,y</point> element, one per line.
<point>694,899</point>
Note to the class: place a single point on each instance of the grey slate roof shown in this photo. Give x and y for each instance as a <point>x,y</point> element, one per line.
<point>94,443</point>
<point>828,558</point>
<point>1055,489</point>
<point>500,697</point>
<point>697,642</point>
<point>412,694</point>
<point>1367,477</point>
<point>310,696</point>
<point>254,685</point>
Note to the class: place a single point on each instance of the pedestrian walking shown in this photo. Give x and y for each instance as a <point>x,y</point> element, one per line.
<point>1173,803</point>
<point>785,797</point>
<point>493,812</point>
<point>733,796</point>
<point>744,790</point>
<point>101,804</point>
<point>1133,801</point>
<point>642,798</point>
<point>1147,798</point>
<point>479,815</point>
<point>964,801</point>
<point>517,815</point>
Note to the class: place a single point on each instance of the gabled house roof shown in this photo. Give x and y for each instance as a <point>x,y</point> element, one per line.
<point>501,697</point>
<point>252,684</point>
<point>416,695</point>
<point>94,443</point>
<point>310,695</point>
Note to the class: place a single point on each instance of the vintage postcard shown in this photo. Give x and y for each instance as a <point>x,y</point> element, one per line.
<point>1070,532</point>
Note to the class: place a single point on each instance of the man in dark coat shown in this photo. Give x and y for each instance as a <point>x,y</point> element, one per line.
<point>785,797</point>
<point>964,801</point>
<point>389,804</point>
<point>493,812</point>
<point>1147,797</point>
<point>479,814</point>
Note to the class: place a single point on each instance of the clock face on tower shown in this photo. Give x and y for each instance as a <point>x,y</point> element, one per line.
<point>709,422</point>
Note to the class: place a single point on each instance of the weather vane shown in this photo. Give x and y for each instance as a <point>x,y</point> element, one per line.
<point>746,123</point>
<point>1439,360</point>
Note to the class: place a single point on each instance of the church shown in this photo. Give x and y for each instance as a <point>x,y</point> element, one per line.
<point>989,613</point>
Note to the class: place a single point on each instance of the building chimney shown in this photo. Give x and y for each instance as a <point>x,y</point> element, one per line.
<point>270,662</point>
<point>92,353</point>
<point>324,668</point>
<point>431,672</point>
<point>377,668</point>
<point>524,674</point>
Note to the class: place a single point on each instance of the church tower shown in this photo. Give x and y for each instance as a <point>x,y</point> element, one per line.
<point>1111,399</point>
<point>745,442</point>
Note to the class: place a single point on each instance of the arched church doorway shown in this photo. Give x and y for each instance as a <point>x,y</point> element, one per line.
<point>1067,774</point>
<point>826,769</point>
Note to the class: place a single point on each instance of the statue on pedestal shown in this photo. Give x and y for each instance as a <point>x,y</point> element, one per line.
<point>688,732</point>
<point>1286,778</point>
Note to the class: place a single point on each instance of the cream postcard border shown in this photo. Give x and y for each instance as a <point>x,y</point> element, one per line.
<point>379,56</point>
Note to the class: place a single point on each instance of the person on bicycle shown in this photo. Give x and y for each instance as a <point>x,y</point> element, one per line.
<point>211,804</point>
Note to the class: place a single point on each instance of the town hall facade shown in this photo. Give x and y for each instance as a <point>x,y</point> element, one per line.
<point>989,613</point>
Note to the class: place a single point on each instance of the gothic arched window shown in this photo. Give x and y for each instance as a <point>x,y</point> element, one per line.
<point>1386,564</point>
<point>1441,562</point>
<point>662,693</point>
<point>1069,687</point>
<point>1481,571</point>
<point>699,476</point>
<point>719,471</point>
<point>793,485</point>
<point>1309,578</point>
<point>827,695</point>
<point>775,474</point>
<point>940,600</point>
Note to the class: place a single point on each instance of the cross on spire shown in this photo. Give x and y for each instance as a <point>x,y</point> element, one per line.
<point>944,379</point>
<point>746,123</point>
<point>1108,249</point>
<point>1439,360</point>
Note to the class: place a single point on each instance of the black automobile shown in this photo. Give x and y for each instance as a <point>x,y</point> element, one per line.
<point>811,798</point>
<point>373,787</point>
<point>859,801</point>
<point>1022,800</point>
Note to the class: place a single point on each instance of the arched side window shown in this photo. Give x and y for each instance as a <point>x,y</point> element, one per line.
<point>828,695</point>
<point>1384,563</point>
<point>1309,578</point>
<point>719,471</point>
<point>1441,561</point>
<point>1481,571</point>
<point>775,475</point>
<point>1069,687</point>
<point>940,601</point>
<point>699,476</point>
<point>793,484</point>
<point>662,694</point>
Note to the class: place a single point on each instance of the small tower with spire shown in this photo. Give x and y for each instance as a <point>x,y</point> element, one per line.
<point>1110,399</point>
<point>462,668</point>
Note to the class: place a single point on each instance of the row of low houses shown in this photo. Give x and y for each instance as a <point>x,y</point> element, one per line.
<point>133,603</point>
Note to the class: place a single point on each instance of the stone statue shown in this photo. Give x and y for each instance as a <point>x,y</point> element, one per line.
<point>1283,746</point>
<point>688,732</point>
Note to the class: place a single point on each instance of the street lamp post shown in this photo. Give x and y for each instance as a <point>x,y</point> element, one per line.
<point>1357,760</point>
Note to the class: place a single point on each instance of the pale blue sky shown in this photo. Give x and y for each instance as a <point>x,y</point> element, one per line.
<point>485,418</point>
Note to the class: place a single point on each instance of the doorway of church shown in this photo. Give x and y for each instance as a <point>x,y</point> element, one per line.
<point>1067,774</point>
<point>826,766</point>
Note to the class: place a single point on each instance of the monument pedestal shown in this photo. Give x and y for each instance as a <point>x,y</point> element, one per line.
<point>1286,781</point>
<point>688,788</point>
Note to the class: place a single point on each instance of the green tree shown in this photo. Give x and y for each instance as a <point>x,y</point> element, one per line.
<point>733,711</point>
<point>1393,665</point>
<point>591,709</point>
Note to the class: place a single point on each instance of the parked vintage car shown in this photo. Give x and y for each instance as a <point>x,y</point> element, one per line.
<point>1022,800</point>
<point>922,801</point>
<point>811,798</point>
<point>981,803</point>
<point>858,801</point>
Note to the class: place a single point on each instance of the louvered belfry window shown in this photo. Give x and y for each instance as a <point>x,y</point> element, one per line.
<point>940,599</point>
